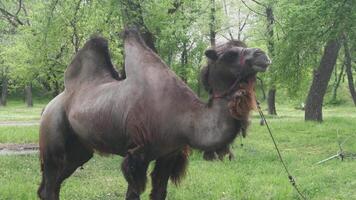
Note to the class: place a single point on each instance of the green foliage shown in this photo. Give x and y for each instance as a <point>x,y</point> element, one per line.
<point>39,49</point>
<point>307,27</point>
<point>39,52</point>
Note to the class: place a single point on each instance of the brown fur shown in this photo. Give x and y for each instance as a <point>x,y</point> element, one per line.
<point>180,166</point>
<point>243,100</point>
<point>220,49</point>
<point>134,170</point>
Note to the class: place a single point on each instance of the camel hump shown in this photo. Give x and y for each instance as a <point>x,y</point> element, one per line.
<point>132,33</point>
<point>138,55</point>
<point>91,61</point>
<point>98,44</point>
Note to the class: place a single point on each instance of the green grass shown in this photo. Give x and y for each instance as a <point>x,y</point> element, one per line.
<point>18,134</point>
<point>18,111</point>
<point>256,173</point>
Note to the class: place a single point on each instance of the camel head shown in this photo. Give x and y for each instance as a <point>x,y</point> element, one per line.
<point>232,61</point>
<point>231,75</point>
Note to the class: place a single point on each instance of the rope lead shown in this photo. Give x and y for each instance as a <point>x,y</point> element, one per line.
<point>290,177</point>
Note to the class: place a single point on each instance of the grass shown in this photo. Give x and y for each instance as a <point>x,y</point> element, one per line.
<point>256,173</point>
<point>18,134</point>
<point>16,110</point>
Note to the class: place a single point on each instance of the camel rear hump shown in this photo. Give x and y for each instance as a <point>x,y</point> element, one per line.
<point>91,62</point>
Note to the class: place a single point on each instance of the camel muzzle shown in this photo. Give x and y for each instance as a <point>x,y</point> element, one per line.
<point>259,60</point>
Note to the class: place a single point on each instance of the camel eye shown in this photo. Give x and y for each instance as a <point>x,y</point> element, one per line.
<point>230,56</point>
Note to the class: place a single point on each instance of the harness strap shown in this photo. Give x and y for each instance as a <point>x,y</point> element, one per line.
<point>232,88</point>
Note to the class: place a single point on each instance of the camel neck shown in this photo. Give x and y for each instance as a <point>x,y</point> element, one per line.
<point>211,127</point>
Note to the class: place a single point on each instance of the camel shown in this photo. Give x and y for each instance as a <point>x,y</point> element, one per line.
<point>151,115</point>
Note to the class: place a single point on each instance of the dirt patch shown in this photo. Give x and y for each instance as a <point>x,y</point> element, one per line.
<point>18,123</point>
<point>18,149</point>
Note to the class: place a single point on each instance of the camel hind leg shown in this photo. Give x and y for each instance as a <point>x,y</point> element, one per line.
<point>61,155</point>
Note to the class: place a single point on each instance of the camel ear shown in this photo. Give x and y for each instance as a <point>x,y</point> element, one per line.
<point>211,54</point>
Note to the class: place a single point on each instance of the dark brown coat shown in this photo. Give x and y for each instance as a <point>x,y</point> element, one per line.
<point>150,115</point>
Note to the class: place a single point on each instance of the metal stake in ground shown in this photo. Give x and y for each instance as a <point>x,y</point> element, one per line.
<point>340,154</point>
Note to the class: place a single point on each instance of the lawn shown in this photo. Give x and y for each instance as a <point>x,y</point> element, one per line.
<point>18,111</point>
<point>256,173</point>
<point>19,134</point>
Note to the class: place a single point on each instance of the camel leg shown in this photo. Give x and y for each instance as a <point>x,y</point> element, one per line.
<point>160,177</point>
<point>167,167</point>
<point>134,168</point>
<point>59,161</point>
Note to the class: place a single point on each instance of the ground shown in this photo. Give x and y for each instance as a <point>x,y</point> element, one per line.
<point>256,172</point>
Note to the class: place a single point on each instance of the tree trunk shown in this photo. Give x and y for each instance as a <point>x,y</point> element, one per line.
<point>133,17</point>
<point>3,99</point>
<point>349,70</point>
<point>270,32</point>
<point>271,100</point>
<point>262,85</point>
<point>28,94</point>
<point>321,77</point>
<point>184,62</point>
<point>337,83</point>
<point>212,24</point>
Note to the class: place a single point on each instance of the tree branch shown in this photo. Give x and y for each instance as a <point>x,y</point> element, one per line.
<point>244,23</point>
<point>19,7</point>
<point>26,14</point>
<point>259,3</point>
<point>258,13</point>
<point>73,23</point>
<point>227,14</point>
<point>13,19</point>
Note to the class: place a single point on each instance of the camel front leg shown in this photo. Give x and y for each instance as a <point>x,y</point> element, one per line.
<point>160,176</point>
<point>134,168</point>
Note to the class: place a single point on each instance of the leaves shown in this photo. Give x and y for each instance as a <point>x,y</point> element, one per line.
<point>48,33</point>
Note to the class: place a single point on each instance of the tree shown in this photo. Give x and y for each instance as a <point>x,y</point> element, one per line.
<point>132,13</point>
<point>337,81</point>
<point>311,39</point>
<point>212,23</point>
<point>269,37</point>
<point>321,77</point>
<point>38,53</point>
<point>16,18</point>
<point>271,98</point>
<point>4,83</point>
<point>348,64</point>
